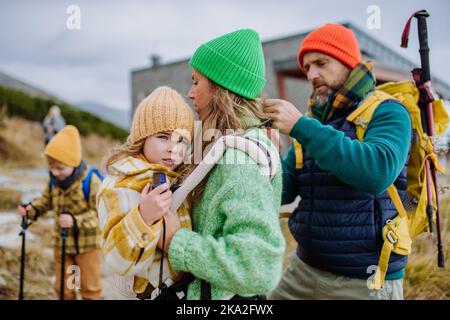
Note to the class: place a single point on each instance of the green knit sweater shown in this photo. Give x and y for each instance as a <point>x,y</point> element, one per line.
<point>237,244</point>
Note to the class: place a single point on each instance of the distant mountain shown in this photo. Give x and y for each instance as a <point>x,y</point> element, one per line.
<point>119,117</point>
<point>13,83</point>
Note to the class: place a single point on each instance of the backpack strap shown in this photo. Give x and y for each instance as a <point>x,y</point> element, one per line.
<point>360,117</point>
<point>364,112</point>
<point>264,155</point>
<point>395,232</point>
<point>298,155</point>
<point>396,239</point>
<point>86,185</point>
<point>87,182</point>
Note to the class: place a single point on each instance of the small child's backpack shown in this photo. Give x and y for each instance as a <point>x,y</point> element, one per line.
<point>412,218</point>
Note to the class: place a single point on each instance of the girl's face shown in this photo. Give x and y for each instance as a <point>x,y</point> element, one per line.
<point>200,92</point>
<point>167,148</point>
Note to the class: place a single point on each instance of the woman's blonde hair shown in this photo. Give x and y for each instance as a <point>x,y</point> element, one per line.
<point>226,111</point>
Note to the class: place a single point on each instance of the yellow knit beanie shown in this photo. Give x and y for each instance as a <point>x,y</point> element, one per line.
<point>163,110</point>
<point>65,147</point>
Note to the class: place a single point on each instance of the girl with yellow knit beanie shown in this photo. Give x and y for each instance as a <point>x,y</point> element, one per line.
<point>132,214</point>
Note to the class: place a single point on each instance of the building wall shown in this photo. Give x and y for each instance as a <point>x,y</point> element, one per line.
<point>176,75</point>
<point>282,50</point>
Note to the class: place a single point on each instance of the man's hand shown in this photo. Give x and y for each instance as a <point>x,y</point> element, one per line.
<point>65,220</point>
<point>283,113</point>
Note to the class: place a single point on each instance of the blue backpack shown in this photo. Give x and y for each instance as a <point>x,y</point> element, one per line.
<point>86,182</point>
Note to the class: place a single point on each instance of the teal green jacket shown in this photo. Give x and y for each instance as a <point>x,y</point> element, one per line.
<point>370,166</point>
<point>236,243</point>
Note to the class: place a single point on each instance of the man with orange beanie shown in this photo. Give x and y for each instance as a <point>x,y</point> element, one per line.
<point>341,181</point>
<point>71,196</point>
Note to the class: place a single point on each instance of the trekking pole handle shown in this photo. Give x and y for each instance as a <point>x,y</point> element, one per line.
<point>64,232</point>
<point>24,225</point>
<point>424,50</point>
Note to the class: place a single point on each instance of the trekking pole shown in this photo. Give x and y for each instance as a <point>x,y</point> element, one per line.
<point>24,225</point>
<point>63,260</point>
<point>423,81</point>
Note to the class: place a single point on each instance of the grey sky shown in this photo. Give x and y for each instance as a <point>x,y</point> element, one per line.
<point>94,63</point>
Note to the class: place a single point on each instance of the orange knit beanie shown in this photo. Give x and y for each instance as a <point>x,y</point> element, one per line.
<point>334,40</point>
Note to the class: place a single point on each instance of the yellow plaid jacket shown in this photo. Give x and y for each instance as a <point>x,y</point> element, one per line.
<point>72,201</point>
<point>129,245</point>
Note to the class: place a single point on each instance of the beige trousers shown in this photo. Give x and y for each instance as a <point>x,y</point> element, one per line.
<point>83,272</point>
<point>303,282</point>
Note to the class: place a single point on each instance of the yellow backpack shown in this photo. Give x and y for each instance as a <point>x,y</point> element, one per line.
<point>412,217</point>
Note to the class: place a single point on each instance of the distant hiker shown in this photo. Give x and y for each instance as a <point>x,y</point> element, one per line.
<point>236,248</point>
<point>53,123</point>
<point>132,214</point>
<point>342,181</point>
<point>71,195</point>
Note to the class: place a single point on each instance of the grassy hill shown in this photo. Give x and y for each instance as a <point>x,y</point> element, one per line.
<point>17,103</point>
<point>22,144</point>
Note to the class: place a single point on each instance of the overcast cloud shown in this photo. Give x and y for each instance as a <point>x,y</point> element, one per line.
<point>94,63</point>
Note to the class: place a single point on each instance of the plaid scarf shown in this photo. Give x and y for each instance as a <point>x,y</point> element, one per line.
<point>360,82</point>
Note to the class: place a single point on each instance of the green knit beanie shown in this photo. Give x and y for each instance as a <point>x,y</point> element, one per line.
<point>235,61</point>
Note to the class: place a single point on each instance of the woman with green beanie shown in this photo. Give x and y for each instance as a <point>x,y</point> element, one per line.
<point>236,247</point>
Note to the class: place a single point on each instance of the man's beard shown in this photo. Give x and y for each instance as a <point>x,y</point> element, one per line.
<point>324,98</point>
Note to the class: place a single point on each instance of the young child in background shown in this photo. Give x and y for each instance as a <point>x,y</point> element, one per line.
<point>132,214</point>
<point>75,210</point>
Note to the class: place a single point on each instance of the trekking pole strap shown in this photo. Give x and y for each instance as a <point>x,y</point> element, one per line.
<point>205,290</point>
<point>63,260</point>
<point>75,231</point>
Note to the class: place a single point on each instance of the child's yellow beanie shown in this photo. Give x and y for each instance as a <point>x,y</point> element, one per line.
<point>163,110</point>
<point>65,146</point>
